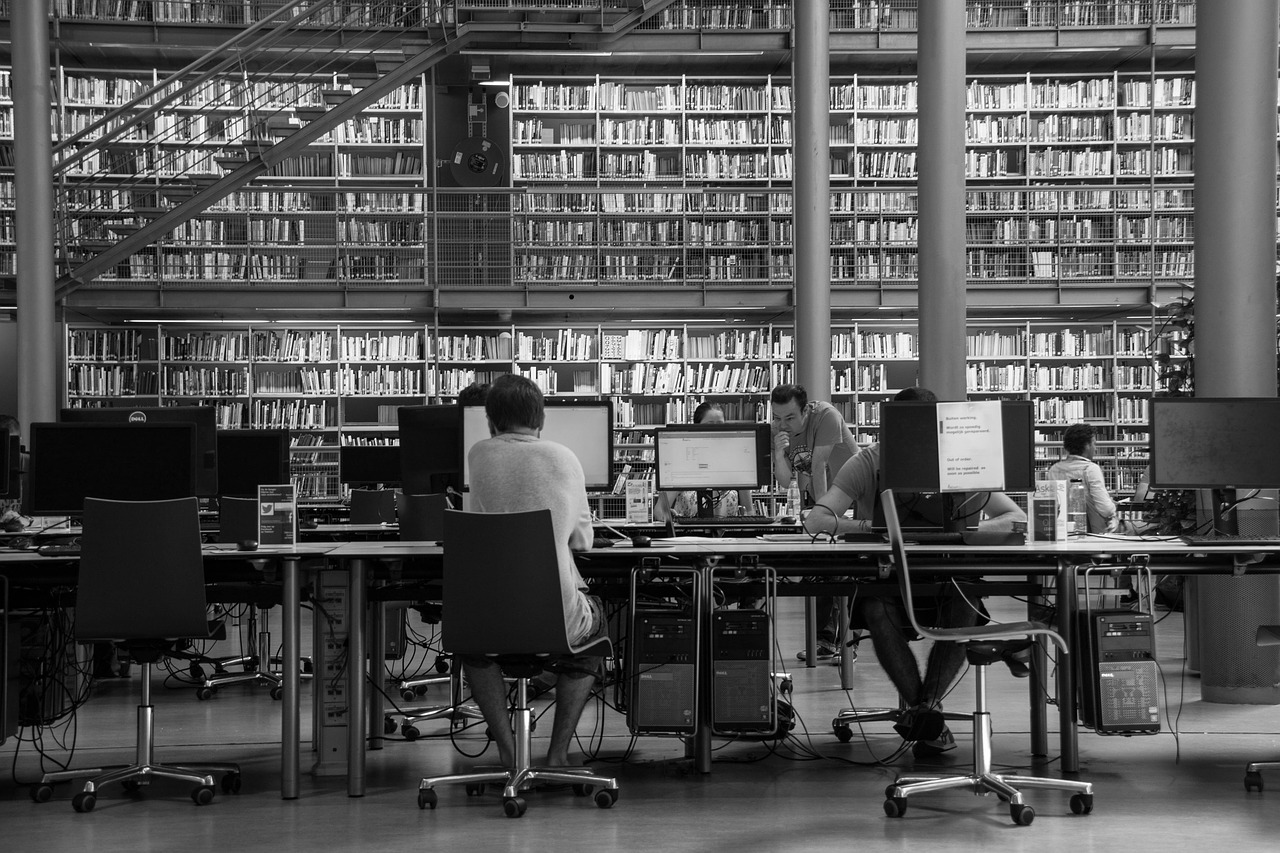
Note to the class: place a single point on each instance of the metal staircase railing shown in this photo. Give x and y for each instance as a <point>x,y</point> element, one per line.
<point>122,189</point>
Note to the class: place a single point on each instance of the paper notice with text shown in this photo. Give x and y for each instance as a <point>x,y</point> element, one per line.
<point>970,447</point>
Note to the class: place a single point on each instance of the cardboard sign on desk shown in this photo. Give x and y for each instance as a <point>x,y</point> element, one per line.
<point>277,515</point>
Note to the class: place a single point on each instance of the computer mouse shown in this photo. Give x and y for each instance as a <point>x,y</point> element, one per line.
<point>247,545</point>
<point>640,541</point>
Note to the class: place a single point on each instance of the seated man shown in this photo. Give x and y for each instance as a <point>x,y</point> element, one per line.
<point>516,471</point>
<point>1100,509</point>
<point>855,486</point>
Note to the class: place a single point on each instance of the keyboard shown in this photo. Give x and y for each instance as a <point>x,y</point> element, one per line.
<point>59,550</point>
<point>726,521</point>
<point>1226,540</point>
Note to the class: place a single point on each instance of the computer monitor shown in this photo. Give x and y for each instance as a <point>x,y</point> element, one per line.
<point>430,448</point>
<point>248,458</point>
<point>909,463</point>
<point>116,461</point>
<point>583,426</point>
<point>909,446</point>
<point>711,456</point>
<point>10,456</point>
<point>369,465</point>
<point>1214,442</point>
<point>204,418</point>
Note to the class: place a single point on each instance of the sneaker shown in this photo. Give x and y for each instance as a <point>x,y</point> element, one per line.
<point>921,723</point>
<point>944,742</point>
<point>826,653</point>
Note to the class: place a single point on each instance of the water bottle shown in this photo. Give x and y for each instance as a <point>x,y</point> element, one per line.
<point>793,498</point>
<point>1077,521</point>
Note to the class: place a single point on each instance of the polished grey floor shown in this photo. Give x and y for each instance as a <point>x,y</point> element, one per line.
<point>811,793</point>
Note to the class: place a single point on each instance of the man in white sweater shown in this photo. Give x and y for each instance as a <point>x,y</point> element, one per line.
<point>516,471</point>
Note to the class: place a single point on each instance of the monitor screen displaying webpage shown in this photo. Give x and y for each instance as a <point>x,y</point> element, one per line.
<point>711,456</point>
<point>583,426</point>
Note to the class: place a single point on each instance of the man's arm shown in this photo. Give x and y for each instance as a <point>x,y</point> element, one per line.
<point>827,515</point>
<point>781,465</point>
<point>583,533</point>
<point>1001,512</point>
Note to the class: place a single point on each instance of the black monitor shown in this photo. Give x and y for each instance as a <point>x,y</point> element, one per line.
<point>583,426</point>
<point>116,461</point>
<point>1214,442</point>
<point>10,465</point>
<point>369,465</point>
<point>909,462</point>
<point>248,458</point>
<point>204,418</point>
<point>430,448</point>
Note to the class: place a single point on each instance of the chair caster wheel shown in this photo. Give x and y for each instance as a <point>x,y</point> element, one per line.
<point>231,783</point>
<point>202,796</point>
<point>895,806</point>
<point>844,734</point>
<point>605,798</point>
<point>41,793</point>
<point>203,693</point>
<point>410,732</point>
<point>1253,781</point>
<point>442,665</point>
<point>277,693</point>
<point>196,671</point>
<point>408,694</point>
<point>427,799</point>
<point>388,726</point>
<point>475,789</point>
<point>514,806</point>
<point>84,802</point>
<point>1082,803</point>
<point>1022,814</point>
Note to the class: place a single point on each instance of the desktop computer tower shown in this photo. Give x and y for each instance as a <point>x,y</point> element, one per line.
<point>1116,672</point>
<point>742,697</point>
<point>664,672</point>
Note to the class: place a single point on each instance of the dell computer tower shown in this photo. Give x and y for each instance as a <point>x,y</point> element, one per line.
<point>742,697</point>
<point>1116,672</point>
<point>664,672</point>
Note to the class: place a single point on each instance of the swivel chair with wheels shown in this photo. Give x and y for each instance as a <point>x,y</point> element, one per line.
<point>984,645</point>
<point>422,520</point>
<point>502,600</point>
<point>1268,635</point>
<point>146,597</point>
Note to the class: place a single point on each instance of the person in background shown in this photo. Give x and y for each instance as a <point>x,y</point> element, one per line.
<point>856,487</point>
<point>685,504</point>
<point>516,471</point>
<point>811,441</point>
<point>11,518</point>
<point>1079,442</point>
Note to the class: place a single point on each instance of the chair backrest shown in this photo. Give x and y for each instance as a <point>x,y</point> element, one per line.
<point>502,584</point>
<point>993,631</point>
<point>422,517</point>
<point>237,519</point>
<point>373,506</point>
<point>141,573</point>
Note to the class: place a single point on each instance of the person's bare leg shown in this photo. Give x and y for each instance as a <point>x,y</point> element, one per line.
<point>572,692</point>
<point>490,693</point>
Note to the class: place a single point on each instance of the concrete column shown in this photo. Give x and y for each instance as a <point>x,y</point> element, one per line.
<point>810,94</point>
<point>1235,308</point>
<point>942,225</point>
<point>38,337</point>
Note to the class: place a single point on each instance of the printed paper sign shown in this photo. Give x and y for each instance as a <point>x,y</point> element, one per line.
<point>277,515</point>
<point>970,447</point>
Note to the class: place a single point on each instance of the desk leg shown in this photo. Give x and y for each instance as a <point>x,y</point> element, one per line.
<point>702,735</point>
<point>810,631</point>
<point>1037,684</point>
<point>1067,603</point>
<point>377,646</point>
<point>290,664</point>
<point>843,642</point>
<point>356,671</point>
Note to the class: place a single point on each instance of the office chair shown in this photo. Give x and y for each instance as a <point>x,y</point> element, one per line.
<point>502,600</point>
<point>984,645</point>
<point>146,596</point>
<point>1268,635</point>
<point>373,506</point>
<point>422,520</point>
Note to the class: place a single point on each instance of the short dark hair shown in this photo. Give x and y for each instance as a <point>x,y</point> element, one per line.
<point>915,392</point>
<point>702,410</point>
<point>473,394</point>
<point>786,393</point>
<point>1076,437</point>
<point>514,402</point>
